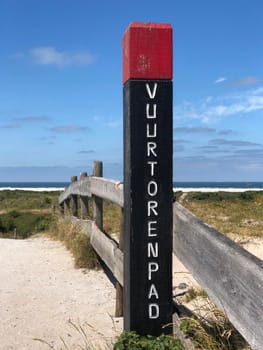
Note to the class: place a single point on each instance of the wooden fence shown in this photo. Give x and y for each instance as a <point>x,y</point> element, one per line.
<point>232,277</point>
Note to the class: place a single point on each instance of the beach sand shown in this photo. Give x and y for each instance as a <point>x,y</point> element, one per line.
<point>44,297</point>
<point>45,300</point>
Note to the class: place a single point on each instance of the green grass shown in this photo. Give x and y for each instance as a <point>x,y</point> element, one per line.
<point>230,213</point>
<point>25,212</point>
<point>23,224</point>
<point>27,200</point>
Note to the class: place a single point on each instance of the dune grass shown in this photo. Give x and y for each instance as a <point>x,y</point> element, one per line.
<point>209,328</point>
<point>23,213</point>
<point>27,200</point>
<point>77,242</point>
<point>230,213</point>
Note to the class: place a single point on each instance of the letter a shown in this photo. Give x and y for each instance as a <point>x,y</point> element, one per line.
<point>153,292</point>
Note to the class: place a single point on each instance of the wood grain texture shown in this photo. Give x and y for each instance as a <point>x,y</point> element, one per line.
<point>231,276</point>
<point>105,188</point>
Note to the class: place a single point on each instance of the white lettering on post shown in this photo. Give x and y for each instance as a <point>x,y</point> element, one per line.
<point>152,267</point>
<point>153,250</point>
<point>153,92</point>
<point>151,114</point>
<point>152,164</point>
<point>152,228</point>
<point>151,131</point>
<point>152,188</point>
<point>151,146</point>
<point>152,205</point>
<point>153,292</point>
<point>154,311</point>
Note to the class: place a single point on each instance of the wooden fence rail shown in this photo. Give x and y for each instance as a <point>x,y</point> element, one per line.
<point>231,276</point>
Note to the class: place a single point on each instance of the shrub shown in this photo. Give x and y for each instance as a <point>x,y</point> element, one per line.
<point>221,196</point>
<point>25,223</point>
<point>133,341</point>
<point>26,200</point>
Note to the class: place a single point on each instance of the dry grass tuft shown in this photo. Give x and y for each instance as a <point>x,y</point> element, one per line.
<point>77,242</point>
<point>230,213</point>
<point>210,328</point>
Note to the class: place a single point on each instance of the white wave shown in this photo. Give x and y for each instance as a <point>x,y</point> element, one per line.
<point>35,189</point>
<point>212,189</point>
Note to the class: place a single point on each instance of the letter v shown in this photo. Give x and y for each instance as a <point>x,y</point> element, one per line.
<point>151,93</point>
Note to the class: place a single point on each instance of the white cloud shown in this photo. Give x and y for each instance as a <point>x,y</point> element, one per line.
<point>220,80</point>
<point>213,109</point>
<point>51,56</point>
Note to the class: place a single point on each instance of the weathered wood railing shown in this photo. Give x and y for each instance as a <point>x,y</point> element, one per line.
<point>231,276</point>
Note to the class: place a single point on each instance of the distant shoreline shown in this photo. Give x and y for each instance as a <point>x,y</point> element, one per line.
<point>219,189</point>
<point>33,189</point>
<point>175,189</point>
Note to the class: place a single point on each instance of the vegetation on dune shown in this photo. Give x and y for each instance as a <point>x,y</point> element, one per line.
<point>209,328</point>
<point>77,242</point>
<point>23,224</point>
<point>230,213</point>
<point>27,200</point>
<point>133,341</point>
<point>23,213</point>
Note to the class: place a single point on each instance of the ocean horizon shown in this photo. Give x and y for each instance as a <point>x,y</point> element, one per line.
<point>177,185</point>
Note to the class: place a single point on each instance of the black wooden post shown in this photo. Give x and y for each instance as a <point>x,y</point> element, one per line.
<point>74,198</point>
<point>84,201</point>
<point>98,203</point>
<point>147,78</point>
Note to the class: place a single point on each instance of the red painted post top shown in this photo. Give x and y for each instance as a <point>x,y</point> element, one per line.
<point>147,51</point>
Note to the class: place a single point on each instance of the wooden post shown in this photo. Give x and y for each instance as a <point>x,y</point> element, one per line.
<point>62,208</point>
<point>74,198</point>
<point>98,203</point>
<point>84,201</point>
<point>67,206</point>
<point>147,79</point>
<point>119,289</point>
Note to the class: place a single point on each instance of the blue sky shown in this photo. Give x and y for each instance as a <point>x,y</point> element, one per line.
<point>61,87</point>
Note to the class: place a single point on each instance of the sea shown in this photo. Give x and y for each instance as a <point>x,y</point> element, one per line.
<point>178,186</point>
<point>33,186</point>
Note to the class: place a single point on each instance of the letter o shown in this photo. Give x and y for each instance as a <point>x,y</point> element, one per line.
<point>152,188</point>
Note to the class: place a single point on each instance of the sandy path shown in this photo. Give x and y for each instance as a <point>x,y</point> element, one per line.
<point>40,292</point>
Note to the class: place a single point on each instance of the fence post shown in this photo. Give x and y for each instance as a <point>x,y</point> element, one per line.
<point>62,208</point>
<point>148,144</point>
<point>67,205</point>
<point>74,198</point>
<point>84,201</point>
<point>98,203</point>
<point>119,289</point>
